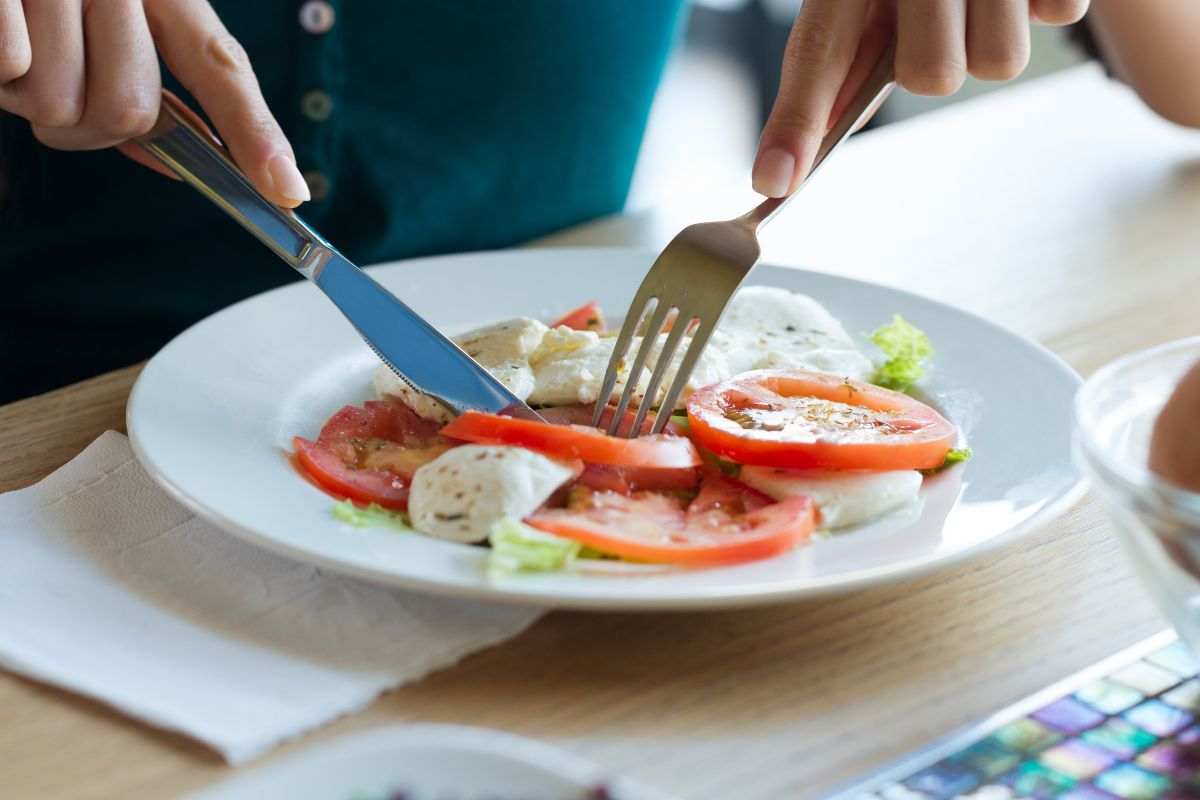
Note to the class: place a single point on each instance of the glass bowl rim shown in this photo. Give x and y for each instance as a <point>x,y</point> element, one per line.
<point>1133,478</point>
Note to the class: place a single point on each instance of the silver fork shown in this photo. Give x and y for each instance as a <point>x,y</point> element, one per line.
<point>698,273</point>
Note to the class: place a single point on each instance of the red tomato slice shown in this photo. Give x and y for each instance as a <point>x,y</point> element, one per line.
<point>582,415</point>
<point>385,435</point>
<point>575,442</point>
<point>622,479</point>
<point>329,472</point>
<point>672,317</point>
<point>727,523</point>
<point>721,494</point>
<point>627,480</point>
<point>797,419</point>
<point>588,317</point>
<point>369,452</point>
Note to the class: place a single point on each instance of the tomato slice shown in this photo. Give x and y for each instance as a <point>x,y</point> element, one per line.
<point>575,442</point>
<point>798,419</point>
<point>628,480</point>
<point>624,479</point>
<point>374,435</point>
<point>582,415</point>
<point>727,523</point>
<point>369,453</point>
<point>673,317</point>
<point>332,474</point>
<point>588,317</point>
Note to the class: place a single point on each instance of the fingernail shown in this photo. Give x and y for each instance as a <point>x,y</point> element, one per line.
<point>287,180</point>
<point>773,172</point>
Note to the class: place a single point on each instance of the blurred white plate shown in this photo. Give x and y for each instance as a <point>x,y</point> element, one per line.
<point>213,414</point>
<point>428,762</point>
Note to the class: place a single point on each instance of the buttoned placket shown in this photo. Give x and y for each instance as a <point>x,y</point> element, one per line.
<point>318,80</point>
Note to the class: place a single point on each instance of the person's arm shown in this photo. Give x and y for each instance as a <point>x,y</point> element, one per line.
<point>1154,46</point>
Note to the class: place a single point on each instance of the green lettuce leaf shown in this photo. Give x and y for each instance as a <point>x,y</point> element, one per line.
<point>517,548</point>
<point>955,456</point>
<point>592,553</point>
<point>713,460</point>
<point>373,516</point>
<point>907,349</point>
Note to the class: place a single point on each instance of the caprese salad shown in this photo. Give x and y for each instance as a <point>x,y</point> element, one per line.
<point>786,427</point>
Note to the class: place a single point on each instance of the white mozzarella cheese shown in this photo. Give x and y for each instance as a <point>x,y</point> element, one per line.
<point>843,498</point>
<point>568,367</point>
<point>565,376</point>
<point>388,384</point>
<point>503,349</point>
<point>463,492</point>
<point>763,328</point>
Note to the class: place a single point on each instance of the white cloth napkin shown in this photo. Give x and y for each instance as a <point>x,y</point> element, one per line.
<point>112,589</point>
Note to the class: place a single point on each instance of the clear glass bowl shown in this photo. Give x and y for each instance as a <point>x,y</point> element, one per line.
<point>1159,524</point>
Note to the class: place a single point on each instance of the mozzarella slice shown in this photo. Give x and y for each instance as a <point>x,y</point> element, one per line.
<point>388,384</point>
<point>567,376</point>
<point>503,349</point>
<point>844,498</point>
<point>763,328</point>
<point>463,492</point>
<point>568,367</point>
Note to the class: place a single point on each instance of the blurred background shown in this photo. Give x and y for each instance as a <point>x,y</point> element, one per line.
<point>719,85</point>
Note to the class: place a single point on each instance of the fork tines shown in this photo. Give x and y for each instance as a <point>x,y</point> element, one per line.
<point>648,316</point>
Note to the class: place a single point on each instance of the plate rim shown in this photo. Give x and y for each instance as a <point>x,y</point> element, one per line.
<point>469,740</point>
<point>722,597</point>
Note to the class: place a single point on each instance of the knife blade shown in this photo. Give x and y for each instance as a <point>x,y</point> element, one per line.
<point>414,349</point>
<point>417,352</point>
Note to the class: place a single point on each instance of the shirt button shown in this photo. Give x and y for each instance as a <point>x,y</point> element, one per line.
<point>317,16</point>
<point>316,105</point>
<point>318,184</point>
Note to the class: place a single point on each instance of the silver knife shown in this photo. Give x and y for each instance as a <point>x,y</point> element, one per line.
<point>422,357</point>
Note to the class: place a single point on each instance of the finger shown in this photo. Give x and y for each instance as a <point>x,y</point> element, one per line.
<point>931,53</point>
<point>997,38</point>
<point>819,52</point>
<point>879,30</point>
<point>51,93</point>
<point>123,85</point>
<point>15,54</point>
<point>135,152</point>
<point>211,64</point>
<point>1058,12</point>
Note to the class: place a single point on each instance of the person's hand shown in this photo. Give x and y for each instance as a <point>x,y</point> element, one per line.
<point>85,74</point>
<point>1175,443</point>
<point>834,44</point>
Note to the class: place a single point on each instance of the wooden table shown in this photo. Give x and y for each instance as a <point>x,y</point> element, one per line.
<point>1061,209</point>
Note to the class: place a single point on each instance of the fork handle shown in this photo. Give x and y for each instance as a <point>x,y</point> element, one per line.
<point>873,91</point>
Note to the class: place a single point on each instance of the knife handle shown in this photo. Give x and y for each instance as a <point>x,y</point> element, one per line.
<point>178,141</point>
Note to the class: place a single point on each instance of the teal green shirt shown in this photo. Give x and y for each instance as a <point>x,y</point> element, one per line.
<point>430,126</point>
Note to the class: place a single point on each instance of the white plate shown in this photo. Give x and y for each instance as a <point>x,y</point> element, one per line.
<point>428,761</point>
<point>213,414</point>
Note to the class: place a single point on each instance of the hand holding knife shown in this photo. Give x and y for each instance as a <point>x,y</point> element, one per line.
<point>410,346</point>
